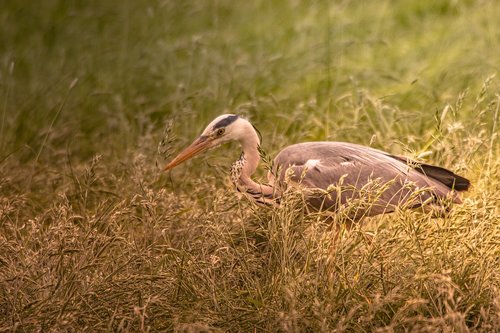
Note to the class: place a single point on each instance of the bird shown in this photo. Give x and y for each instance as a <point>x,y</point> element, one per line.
<point>333,175</point>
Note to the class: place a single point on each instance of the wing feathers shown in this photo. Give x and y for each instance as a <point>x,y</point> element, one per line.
<point>445,176</point>
<point>391,180</point>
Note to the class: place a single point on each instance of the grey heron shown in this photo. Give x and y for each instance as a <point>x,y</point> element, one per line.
<point>335,173</point>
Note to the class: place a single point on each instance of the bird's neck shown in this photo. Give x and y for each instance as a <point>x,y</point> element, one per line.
<point>250,158</point>
<point>245,166</point>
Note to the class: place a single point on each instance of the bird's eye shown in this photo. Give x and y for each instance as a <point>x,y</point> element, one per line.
<point>220,131</point>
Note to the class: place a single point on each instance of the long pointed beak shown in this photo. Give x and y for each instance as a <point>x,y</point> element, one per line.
<point>199,145</point>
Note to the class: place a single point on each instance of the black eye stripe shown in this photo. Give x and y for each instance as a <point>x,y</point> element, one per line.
<point>226,121</point>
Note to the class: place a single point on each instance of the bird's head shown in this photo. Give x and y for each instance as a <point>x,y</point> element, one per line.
<point>222,129</point>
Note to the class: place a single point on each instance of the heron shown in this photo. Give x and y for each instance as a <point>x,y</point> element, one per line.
<point>333,174</point>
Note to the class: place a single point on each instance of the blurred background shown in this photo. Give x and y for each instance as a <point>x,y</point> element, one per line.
<point>97,76</point>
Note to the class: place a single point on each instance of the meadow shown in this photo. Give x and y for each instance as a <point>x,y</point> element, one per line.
<point>96,96</point>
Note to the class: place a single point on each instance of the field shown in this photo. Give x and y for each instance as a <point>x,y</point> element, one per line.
<point>96,96</point>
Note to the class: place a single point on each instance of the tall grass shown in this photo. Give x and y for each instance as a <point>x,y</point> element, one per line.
<point>96,95</point>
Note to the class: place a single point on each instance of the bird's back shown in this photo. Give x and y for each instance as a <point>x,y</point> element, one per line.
<point>361,172</point>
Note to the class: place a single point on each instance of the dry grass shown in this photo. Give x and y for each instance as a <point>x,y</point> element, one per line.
<point>114,249</point>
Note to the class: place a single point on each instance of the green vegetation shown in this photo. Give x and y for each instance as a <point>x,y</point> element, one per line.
<point>94,238</point>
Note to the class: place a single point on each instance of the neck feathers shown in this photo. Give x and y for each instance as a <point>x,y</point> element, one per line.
<point>245,166</point>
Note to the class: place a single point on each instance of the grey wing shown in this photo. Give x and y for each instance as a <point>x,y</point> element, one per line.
<point>347,172</point>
